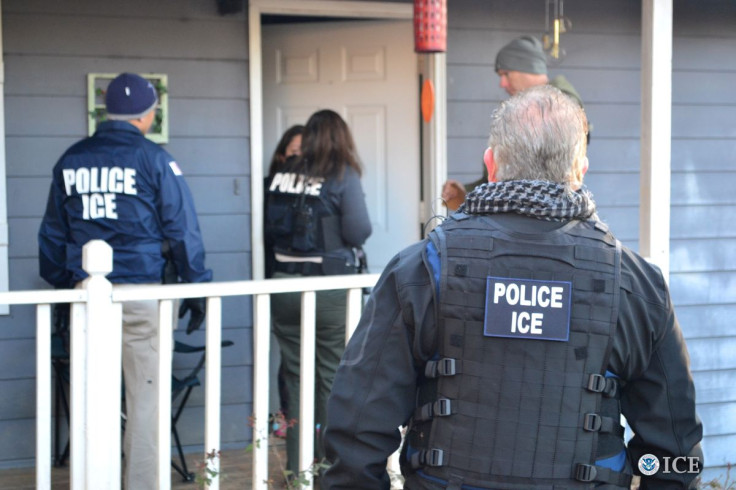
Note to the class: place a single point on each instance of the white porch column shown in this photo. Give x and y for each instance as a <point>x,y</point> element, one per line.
<point>656,132</point>
<point>434,146</point>
<point>4,309</point>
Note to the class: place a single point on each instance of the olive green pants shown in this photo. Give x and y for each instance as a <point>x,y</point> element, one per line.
<point>330,326</point>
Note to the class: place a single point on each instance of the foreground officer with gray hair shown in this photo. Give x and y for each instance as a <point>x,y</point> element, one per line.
<point>510,341</point>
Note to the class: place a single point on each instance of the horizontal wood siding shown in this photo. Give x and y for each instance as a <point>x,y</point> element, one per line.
<point>49,47</point>
<point>703,273</point>
<point>603,63</point>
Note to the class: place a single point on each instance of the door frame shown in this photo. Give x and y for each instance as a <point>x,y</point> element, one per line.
<point>431,66</point>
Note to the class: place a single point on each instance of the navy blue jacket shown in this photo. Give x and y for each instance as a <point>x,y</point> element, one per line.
<point>119,187</point>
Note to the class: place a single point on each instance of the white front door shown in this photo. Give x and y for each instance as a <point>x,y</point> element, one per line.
<point>367,72</point>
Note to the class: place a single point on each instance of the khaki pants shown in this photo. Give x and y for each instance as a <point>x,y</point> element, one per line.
<point>140,374</point>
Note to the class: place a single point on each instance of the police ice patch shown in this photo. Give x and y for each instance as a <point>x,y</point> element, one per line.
<point>175,168</point>
<point>527,309</point>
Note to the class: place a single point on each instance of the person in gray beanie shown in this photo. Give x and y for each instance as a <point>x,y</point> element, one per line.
<point>120,187</point>
<point>520,64</point>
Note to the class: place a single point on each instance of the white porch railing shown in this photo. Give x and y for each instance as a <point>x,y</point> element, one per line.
<point>96,366</point>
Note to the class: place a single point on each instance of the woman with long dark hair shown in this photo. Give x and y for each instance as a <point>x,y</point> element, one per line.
<point>316,220</point>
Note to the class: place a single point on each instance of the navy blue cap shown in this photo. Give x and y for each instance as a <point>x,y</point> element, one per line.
<point>129,96</point>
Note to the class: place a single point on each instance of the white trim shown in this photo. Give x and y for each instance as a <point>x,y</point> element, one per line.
<point>307,350</point>
<point>434,146</point>
<point>255,82</point>
<point>4,264</point>
<point>437,158</point>
<point>656,132</point>
<point>213,388</point>
<point>332,8</point>
<point>43,396</point>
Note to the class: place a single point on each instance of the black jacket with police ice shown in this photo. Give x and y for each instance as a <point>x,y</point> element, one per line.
<point>307,216</point>
<point>375,389</point>
<point>120,187</point>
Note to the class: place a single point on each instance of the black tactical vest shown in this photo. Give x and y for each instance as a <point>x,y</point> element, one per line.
<point>513,398</point>
<point>301,223</point>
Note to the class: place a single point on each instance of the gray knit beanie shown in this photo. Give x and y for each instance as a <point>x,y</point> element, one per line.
<point>524,54</point>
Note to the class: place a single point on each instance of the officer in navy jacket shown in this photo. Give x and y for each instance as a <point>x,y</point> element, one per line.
<point>510,341</point>
<point>120,187</point>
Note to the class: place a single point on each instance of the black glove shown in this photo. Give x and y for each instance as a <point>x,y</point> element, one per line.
<point>198,308</point>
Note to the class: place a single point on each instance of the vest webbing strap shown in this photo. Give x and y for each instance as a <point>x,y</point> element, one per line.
<point>598,383</point>
<point>594,473</point>
<point>446,366</point>
<point>592,422</point>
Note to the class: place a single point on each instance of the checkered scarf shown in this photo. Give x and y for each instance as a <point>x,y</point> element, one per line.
<point>540,199</point>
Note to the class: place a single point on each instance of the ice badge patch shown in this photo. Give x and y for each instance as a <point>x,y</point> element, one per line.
<point>527,309</point>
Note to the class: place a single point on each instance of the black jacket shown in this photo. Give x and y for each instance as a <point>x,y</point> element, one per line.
<point>376,384</point>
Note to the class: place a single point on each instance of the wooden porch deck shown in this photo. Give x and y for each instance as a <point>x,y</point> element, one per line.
<point>235,466</point>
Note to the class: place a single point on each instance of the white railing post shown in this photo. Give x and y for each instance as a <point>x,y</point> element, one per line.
<point>261,350</point>
<point>101,378</point>
<point>165,348</point>
<point>354,309</point>
<point>43,397</point>
<point>213,381</point>
<point>78,395</point>
<point>306,384</point>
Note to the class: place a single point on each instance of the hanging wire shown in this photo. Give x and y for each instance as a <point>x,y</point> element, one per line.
<point>436,215</point>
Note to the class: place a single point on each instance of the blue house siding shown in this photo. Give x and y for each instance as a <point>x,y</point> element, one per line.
<point>49,47</point>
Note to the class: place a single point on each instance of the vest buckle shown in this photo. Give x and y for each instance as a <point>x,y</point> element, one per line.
<point>441,367</point>
<point>592,422</point>
<point>585,472</point>
<point>446,367</point>
<point>434,457</point>
<point>597,383</point>
<point>442,407</point>
<point>428,457</point>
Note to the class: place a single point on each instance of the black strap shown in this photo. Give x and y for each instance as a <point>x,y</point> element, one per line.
<point>440,408</point>
<point>430,457</point>
<point>592,422</point>
<point>594,473</point>
<point>608,386</point>
<point>441,367</point>
<point>301,268</point>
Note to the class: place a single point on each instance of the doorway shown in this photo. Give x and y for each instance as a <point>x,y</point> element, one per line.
<point>366,71</point>
<point>432,148</point>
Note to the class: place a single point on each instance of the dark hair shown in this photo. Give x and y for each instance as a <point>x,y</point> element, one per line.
<point>327,145</point>
<point>279,154</point>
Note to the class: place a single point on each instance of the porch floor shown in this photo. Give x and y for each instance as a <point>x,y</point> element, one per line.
<point>235,467</point>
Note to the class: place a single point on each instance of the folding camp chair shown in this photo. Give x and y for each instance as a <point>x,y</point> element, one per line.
<point>182,387</point>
